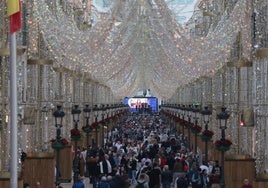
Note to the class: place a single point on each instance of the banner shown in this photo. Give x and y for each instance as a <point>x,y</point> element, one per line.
<point>14,14</point>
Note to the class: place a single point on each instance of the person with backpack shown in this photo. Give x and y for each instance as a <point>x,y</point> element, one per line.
<point>143,181</point>
<point>197,179</point>
<point>182,182</point>
<point>190,173</point>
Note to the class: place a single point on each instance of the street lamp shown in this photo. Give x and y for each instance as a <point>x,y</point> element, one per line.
<point>169,119</point>
<point>117,114</point>
<point>195,111</point>
<point>183,111</point>
<point>103,109</point>
<point>112,117</point>
<point>189,115</point>
<point>87,116</point>
<point>58,114</point>
<point>107,116</point>
<point>174,114</point>
<point>206,116</point>
<point>179,117</point>
<point>223,117</point>
<point>76,112</point>
<point>96,110</point>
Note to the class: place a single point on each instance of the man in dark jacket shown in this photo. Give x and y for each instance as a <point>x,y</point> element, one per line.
<point>94,170</point>
<point>106,166</point>
<point>182,182</point>
<point>166,177</point>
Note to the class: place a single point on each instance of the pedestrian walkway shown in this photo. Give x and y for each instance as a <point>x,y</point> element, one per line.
<point>86,182</point>
<point>69,185</point>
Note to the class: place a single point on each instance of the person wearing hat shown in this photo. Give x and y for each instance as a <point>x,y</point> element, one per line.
<point>79,183</point>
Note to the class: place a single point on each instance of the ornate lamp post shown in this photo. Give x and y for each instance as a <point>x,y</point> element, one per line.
<point>103,109</point>
<point>183,110</point>
<point>189,115</point>
<point>206,116</point>
<point>195,111</point>
<point>58,114</point>
<point>107,116</point>
<point>95,110</point>
<point>170,119</point>
<point>223,117</point>
<point>173,119</point>
<point>86,111</point>
<point>179,117</point>
<point>75,135</point>
<point>117,112</point>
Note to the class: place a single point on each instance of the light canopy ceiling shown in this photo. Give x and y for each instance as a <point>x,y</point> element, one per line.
<point>139,44</point>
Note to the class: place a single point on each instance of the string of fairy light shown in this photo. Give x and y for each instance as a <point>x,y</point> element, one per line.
<point>63,37</point>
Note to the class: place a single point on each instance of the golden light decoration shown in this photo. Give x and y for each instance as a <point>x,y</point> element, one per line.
<point>150,38</point>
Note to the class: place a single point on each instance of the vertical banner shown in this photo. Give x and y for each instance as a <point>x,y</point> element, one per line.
<point>14,14</point>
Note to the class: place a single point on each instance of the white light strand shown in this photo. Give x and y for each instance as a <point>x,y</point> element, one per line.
<point>104,49</point>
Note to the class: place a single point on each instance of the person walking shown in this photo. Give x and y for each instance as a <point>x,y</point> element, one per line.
<point>182,182</point>
<point>94,170</point>
<point>133,168</point>
<point>104,183</point>
<point>105,166</point>
<point>166,177</point>
<point>214,179</point>
<point>143,181</point>
<point>79,183</point>
<point>155,176</point>
<point>177,170</point>
<point>197,179</point>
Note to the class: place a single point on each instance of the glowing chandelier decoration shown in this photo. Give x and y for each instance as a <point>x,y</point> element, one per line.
<point>136,46</point>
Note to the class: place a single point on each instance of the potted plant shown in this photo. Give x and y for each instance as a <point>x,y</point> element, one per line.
<point>207,135</point>
<point>58,144</point>
<point>196,129</point>
<point>75,134</point>
<point>223,144</point>
<point>95,125</point>
<point>87,128</point>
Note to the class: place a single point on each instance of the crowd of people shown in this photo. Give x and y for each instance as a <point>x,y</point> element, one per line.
<point>145,152</point>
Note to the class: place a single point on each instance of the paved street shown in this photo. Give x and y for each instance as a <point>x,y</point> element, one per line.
<point>86,182</point>
<point>69,185</point>
<point>87,185</point>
